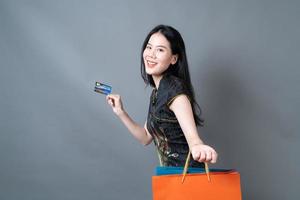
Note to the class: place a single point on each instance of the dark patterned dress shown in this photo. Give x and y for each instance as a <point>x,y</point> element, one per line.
<point>162,124</point>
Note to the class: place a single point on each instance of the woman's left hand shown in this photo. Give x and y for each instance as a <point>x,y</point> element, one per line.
<point>204,153</point>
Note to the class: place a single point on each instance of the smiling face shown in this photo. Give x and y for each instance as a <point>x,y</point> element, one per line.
<point>158,55</point>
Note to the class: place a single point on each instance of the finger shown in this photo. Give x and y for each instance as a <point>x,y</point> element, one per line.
<point>108,97</point>
<point>114,97</point>
<point>202,157</point>
<point>196,155</point>
<point>110,101</point>
<point>214,157</point>
<point>208,156</point>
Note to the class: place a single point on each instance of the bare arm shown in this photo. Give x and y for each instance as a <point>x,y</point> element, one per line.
<point>139,132</point>
<point>182,108</point>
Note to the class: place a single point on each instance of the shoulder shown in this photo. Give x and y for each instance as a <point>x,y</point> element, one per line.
<point>173,87</point>
<point>171,82</point>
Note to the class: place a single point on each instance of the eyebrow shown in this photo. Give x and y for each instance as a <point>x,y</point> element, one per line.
<point>162,46</point>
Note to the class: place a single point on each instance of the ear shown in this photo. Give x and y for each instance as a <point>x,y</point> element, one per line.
<point>174,59</point>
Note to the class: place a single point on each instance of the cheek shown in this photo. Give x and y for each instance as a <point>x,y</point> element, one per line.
<point>166,60</point>
<point>144,54</point>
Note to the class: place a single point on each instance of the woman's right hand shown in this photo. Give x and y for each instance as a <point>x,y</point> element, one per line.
<point>114,100</point>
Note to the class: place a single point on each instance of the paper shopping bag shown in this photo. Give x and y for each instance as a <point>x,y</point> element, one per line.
<point>171,183</point>
<point>221,186</point>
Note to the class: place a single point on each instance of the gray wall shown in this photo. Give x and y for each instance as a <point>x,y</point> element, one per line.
<point>60,140</point>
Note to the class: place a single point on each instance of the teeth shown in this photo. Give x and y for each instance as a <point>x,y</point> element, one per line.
<point>152,63</point>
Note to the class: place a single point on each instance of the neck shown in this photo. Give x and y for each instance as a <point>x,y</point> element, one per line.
<point>156,80</point>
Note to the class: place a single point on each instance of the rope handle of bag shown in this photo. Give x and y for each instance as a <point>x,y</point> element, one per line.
<point>186,166</point>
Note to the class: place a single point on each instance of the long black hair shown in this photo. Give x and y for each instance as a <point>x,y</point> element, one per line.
<point>180,69</point>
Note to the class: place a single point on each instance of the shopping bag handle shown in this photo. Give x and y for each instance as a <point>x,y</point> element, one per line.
<point>186,166</point>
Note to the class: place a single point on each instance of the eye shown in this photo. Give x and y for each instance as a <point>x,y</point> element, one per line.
<point>160,50</point>
<point>148,47</point>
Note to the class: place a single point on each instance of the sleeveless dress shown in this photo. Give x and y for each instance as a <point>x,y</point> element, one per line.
<point>162,123</point>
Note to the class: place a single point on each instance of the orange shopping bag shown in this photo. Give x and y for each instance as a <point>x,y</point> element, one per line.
<point>213,185</point>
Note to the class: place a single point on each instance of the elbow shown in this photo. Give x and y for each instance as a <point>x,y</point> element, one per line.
<point>147,141</point>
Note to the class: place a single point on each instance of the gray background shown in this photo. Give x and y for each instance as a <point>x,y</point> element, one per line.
<point>60,140</point>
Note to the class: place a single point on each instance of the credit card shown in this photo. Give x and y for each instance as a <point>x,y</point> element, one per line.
<point>102,88</point>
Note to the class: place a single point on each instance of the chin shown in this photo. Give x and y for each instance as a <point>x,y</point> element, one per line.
<point>149,71</point>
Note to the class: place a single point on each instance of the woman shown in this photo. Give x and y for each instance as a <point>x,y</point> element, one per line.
<point>172,116</point>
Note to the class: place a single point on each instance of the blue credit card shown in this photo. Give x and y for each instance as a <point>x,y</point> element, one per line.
<point>102,88</point>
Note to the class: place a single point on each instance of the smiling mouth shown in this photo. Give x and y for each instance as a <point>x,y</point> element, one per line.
<point>150,63</point>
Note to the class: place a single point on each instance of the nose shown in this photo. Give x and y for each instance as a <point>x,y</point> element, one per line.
<point>152,53</point>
